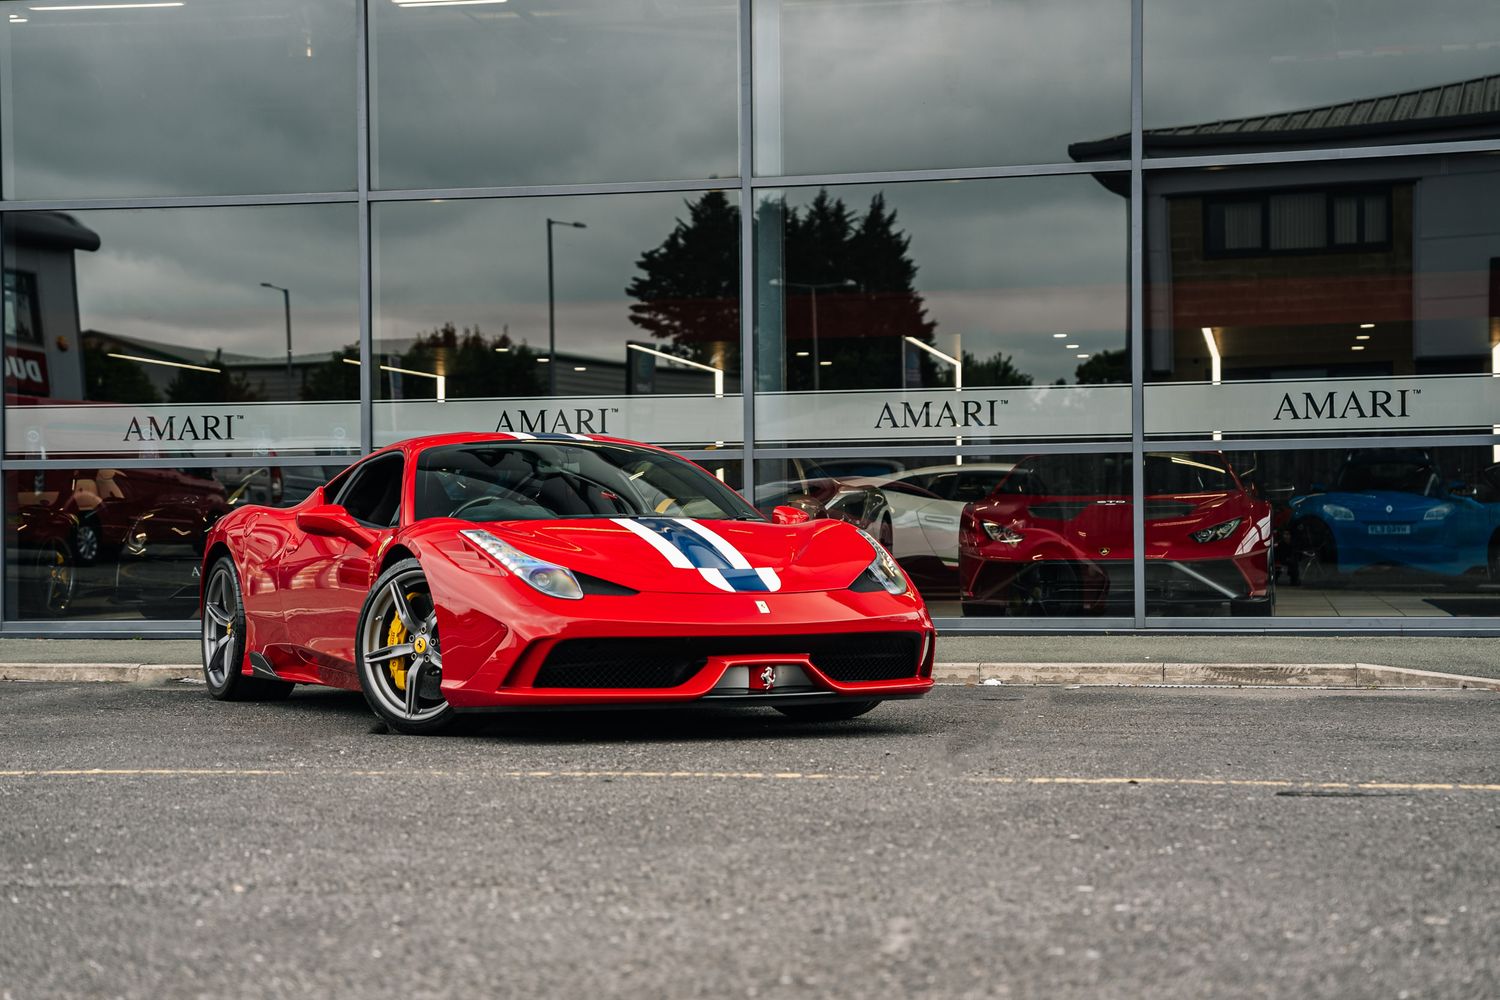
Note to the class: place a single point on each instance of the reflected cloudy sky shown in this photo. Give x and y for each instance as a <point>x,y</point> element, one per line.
<point>1212,59</point>
<point>192,276</point>
<point>214,97</point>
<point>871,85</point>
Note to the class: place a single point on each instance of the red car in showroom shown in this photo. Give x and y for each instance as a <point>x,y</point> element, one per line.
<point>473,572</point>
<point>1055,538</point>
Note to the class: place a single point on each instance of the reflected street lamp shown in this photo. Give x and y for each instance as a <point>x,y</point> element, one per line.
<point>552,307</point>
<point>717,372</point>
<point>958,377</point>
<point>286,307</point>
<point>813,288</point>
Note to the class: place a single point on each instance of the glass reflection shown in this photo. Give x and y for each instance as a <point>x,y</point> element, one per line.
<point>1016,284</point>
<point>622,308</point>
<point>1343,289</point>
<point>169,314</point>
<point>1383,532</point>
<point>552,92</point>
<point>126,543</point>
<point>1283,74</point>
<point>913,84</point>
<point>199,98</point>
<point>932,513</point>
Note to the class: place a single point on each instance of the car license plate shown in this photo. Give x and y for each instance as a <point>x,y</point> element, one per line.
<point>1390,529</point>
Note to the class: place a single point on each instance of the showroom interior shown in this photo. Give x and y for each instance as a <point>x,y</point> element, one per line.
<point>1100,314</point>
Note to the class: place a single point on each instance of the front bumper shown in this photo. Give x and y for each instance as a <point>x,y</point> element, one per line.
<point>683,648</point>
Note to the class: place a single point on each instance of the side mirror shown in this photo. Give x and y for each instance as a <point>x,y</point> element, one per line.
<point>332,521</point>
<point>789,515</point>
<point>807,504</point>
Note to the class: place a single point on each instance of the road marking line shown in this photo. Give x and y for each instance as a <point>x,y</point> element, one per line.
<point>980,779</point>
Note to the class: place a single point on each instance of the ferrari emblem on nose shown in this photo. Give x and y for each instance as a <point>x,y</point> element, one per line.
<point>768,677</point>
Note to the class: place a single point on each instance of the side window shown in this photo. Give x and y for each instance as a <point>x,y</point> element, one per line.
<point>975,486</point>
<point>943,485</point>
<point>373,495</point>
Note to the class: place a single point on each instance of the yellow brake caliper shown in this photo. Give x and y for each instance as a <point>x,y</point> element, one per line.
<point>395,637</point>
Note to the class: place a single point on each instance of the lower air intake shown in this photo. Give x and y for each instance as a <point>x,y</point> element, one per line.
<point>670,662</point>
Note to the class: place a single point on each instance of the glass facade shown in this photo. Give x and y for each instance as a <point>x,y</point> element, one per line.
<point>1100,315</point>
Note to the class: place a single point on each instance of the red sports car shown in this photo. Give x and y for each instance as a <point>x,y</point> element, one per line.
<point>480,571</point>
<point>1055,538</point>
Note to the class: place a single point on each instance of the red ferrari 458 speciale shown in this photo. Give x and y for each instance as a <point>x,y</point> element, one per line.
<point>480,571</point>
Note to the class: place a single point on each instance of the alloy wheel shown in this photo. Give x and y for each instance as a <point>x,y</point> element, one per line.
<point>399,648</point>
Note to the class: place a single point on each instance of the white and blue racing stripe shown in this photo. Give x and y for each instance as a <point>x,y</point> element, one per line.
<point>524,436</point>
<point>689,545</point>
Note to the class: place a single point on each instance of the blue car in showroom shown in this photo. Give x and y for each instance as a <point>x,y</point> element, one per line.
<point>1392,508</point>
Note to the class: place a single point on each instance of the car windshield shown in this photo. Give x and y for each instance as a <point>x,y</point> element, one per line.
<point>1363,475</point>
<point>542,480</point>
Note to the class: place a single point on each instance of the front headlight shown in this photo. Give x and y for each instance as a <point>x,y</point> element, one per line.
<point>1337,512</point>
<point>1001,533</point>
<point>1217,533</point>
<point>1439,512</point>
<point>549,578</point>
<point>883,567</point>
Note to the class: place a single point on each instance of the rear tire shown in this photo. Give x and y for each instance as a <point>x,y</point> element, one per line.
<point>836,712</point>
<point>224,641</point>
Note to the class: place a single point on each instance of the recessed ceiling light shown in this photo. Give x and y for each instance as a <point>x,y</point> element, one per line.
<point>1367,326</point>
<point>1080,355</point>
<point>580,368</point>
<point>1357,347</point>
<point>542,361</point>
<point>502,350</point>
<point>825,364</point>
<point>802,354</point>
<point>1058,336</point>
<point>1361,336</point>
<point>1071,347</point>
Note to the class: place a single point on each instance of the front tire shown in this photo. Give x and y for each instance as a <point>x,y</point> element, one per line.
<point>224,641</point>
<point>398,655</point>
<point>836,712</point>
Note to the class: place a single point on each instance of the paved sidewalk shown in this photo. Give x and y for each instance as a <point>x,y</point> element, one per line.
<point>1475,657</point>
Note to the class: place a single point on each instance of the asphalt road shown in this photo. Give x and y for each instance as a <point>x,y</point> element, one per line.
<point>986,842</point>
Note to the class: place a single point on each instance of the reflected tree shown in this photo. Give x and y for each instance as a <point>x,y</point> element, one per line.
<point>688,290</point>
<point>1105,368</point>
<point>997,370</point>
<point>475,366</point>
<point>846,277</point>
<point>334,378</point>
<point>221,386</point>
<point>115,380</point>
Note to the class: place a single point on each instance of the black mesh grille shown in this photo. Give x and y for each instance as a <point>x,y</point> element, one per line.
<point>669,662</point>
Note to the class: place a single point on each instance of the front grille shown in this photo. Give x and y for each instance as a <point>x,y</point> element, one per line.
<point>670,662</point>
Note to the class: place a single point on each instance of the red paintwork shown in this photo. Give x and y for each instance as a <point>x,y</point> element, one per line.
<point>303,595</point>
<point>1098,544</point>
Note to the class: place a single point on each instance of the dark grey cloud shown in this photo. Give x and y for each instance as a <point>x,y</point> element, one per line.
<point>214,97</point>
<point>876,85</point>
<point>192,276</point>
<point>1205,61</point>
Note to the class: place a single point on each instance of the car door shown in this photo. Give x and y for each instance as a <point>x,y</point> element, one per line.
<point>325,580</point>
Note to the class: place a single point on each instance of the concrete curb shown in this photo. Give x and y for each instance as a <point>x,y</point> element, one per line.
<point>1349,675</point>
<point>133,673</point>
<point>1346,675</point>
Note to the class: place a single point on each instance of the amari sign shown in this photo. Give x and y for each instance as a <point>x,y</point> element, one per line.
<point>1386,405</point>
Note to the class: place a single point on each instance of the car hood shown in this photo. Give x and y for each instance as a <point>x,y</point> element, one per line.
<point>1375,505</point>
<point>689,556</point>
